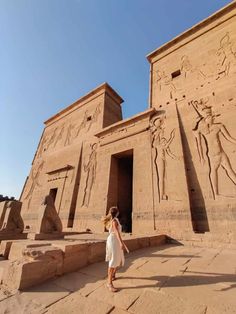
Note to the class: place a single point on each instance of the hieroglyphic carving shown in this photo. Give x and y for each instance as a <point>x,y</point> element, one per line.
<point>88,120</point>
<point>42,146</point>
<point>69,134</point>
<point>59,136</point>
<point>71,131</point>
<point>210,131</point>
<point>226,56</point>
<point>187,68</point>
<point>34,180</point>
<point>51,138</point>
<point>162,148</point>
<point>164,80</point>
<point>83,123</point>
<point>90,170</point>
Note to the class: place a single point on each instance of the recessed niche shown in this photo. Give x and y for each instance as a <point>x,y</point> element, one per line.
<point>89,118</point>
<point>175,74</point>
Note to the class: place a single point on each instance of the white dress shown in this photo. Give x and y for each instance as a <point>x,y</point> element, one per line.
<point>114,253</point>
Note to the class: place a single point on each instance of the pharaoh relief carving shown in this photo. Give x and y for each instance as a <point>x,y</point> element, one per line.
<point>226,55</point>
<point>221,64</point>
<point>90,172</point>
<point>163,80</point>
<point>187,69</point>
<point>66,134</point>
<point>33,181</point>
<point>208,132</point>
<point>88,120</point>
<point>161,145</point>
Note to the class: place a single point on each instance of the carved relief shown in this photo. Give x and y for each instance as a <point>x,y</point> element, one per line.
<point>162,149</point>
<point>165,80</point>
<point>88,120</point>
<point>42,146</point>
<point>187,68</point>
<point>226,56</point>
<point>90,170</point>
<point>207,132</point>
<point>52,138</point>
<point>59,136</point>
<point>69,134</point>
<point>71,131</point>
<point>34,180</point>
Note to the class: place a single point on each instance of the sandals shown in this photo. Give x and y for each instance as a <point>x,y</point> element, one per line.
<point>111,287</point>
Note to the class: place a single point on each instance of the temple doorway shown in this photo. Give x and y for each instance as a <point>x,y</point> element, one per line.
<point>120,192</point>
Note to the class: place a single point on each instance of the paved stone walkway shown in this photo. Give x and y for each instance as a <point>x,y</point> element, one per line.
<point>166,279</point>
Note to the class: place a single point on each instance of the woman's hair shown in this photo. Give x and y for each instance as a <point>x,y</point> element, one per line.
<point>111,215</point>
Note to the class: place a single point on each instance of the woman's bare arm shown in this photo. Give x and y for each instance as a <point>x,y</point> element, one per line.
<point>117,232</point>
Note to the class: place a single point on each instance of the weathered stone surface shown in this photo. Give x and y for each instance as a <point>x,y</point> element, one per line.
<point>18,247</point>
<point>86,284</point>
<point>96,252</point>
<point>11,222</point>
<point>155,302</point>
<point>123,299</point>
<point>76,302</point>
<point>35,265</point>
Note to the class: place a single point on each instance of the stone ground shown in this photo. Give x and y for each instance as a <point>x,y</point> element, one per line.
<point>165,279</point>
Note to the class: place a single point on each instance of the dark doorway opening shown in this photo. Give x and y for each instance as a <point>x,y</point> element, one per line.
<point>120,192</point>
<point>53,194</point>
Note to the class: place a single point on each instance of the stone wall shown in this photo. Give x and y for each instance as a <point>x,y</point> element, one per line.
<point>193,81</point>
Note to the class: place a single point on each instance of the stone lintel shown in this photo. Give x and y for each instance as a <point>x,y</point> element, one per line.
<point>67,167</point>
<point>126,123</point>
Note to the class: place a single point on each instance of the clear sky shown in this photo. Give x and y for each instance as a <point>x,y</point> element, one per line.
<point>55,51</point>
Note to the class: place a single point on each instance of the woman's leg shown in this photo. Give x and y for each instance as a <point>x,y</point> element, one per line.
<point>114,273</point>
<point>110,275</point>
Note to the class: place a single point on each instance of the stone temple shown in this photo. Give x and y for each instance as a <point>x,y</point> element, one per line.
<point>170,169</point>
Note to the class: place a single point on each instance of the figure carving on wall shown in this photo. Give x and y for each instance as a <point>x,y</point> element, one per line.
<point>59,136</point>
<point>94,117</point>
<point>162,148</point>
<point>88,120</point>
<point>34,180</point>
<point>83,123</point>
<point>163,79</point>
<point>42,146</point>
<point>51,139</point>
<point>90,169</point>
<point>210,131</point>
<point>227,56</point>
<point>69,134</point>
<point>187,68</point>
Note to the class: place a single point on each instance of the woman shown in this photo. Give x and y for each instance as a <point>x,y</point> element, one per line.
<point>114,247</point>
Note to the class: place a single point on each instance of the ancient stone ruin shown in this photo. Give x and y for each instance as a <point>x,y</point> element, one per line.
<point>170,169</point>
<point>11,222</point>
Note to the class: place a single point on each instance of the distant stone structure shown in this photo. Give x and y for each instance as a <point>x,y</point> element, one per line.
<point>170,169</point>
<point>11,221</point>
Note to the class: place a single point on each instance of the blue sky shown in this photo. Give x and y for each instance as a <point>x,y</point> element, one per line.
<point>54,51</point>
